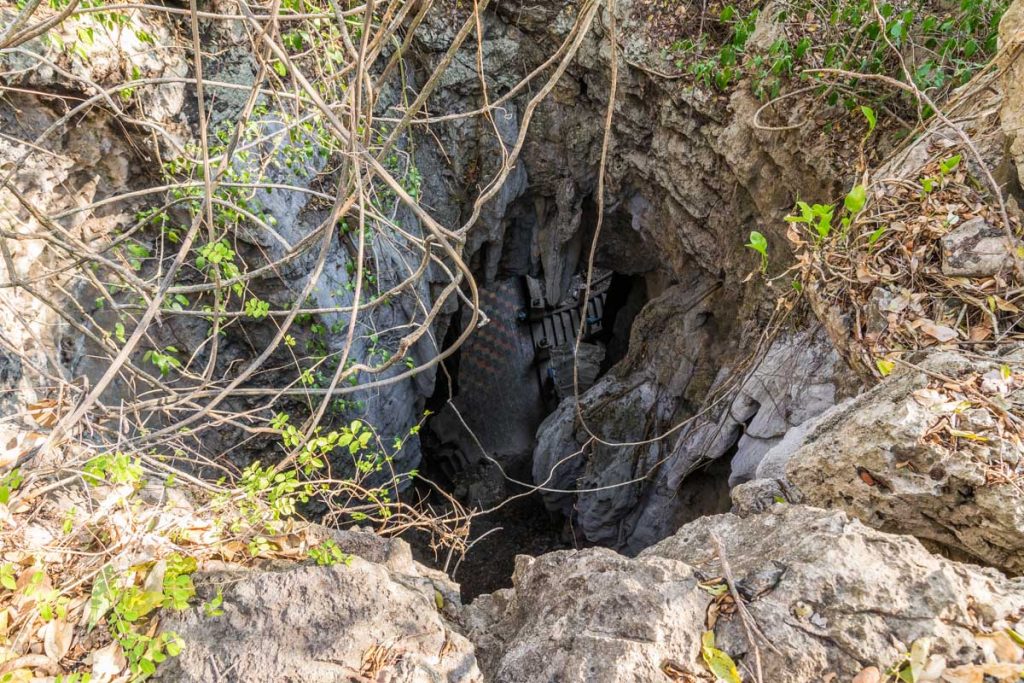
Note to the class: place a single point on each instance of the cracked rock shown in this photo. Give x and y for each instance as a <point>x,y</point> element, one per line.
<point>878,457</point>
<point>832,596</point>
<point>975,249</point>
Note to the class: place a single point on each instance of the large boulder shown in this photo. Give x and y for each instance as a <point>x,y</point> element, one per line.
<point>380,616</point>
<point>931,452</point>
<point>831,596</point>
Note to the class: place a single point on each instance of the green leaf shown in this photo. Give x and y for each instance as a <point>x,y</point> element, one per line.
<point>758,243</point>
<point>856,199</point>
<point>884,366</point>
<point>135,604</point>
<point>7,579</point>
<point>876,235</point>
<point>949,164</point>
<point>102,597</point>
<point>719,663</point>
<point>174,644</point>
<point>869,114</point>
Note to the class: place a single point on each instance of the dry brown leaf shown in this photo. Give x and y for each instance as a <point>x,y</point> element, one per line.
<point>868,675</point>
<point>1003,646</point>
<point>57,637</point>
<point>1004,305</point>
<point>939,332</point>
<point>676,672</point>
<point>108,662</point>
<point>983,673</point>
<point>978,334</point>
<point>45,412</point>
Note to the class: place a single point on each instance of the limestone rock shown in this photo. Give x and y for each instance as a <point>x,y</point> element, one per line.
<point>976,249</point>
<point>870,457</point>
<point>1011,111</point>
<point>667,366</point>
<point>325,624</point>
<point>757,495</point>
<point>831,595</point>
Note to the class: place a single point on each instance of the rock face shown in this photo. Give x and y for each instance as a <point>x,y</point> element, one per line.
<point>687,177</point>
<point>377,617</point>
<point>908,457</point>
<point>831,596</point>
<point>976,249</point>
<point>655,389</point>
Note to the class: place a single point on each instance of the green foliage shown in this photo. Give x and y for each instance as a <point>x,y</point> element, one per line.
<point>717,66</point>
<point>164,360</point>
<point>219,257</point>
<point>256,309</point>
<point>7,579</point>
<point>8,484</point>
<point>128,607</point>
<point>817,216</point>
<point>948,44</point>
<point>853,203</point>
<point>328,554</point>
<point>759,244</point>
<point>113,468</point>
<point>869,114</point>
<point>718,662</point>
<point>946,167</point>
<point>876,234</point>
<point>212,607</point>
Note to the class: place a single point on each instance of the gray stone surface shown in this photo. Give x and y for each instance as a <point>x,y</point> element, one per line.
<point>639,399</point>
<point>976,248</point>
<point>314,624</point>
<point>831,595</point>
<point>870,456</point>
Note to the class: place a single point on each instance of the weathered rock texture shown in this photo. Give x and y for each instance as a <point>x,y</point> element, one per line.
<point>830,594</point>
<point>662,381</point>
<point>886,458</point>
<point>377,618</point>
<point>688,176</point>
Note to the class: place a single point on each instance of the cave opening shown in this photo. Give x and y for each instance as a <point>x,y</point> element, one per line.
<point>492,395</point>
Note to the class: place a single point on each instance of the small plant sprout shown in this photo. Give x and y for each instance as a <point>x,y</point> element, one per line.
<point>329,554</point>
<point>949,165</point>
<point>869,114</point>
<point>212,607</point>
<point>759,244</point>
<point>853,203</point>
<point>164,360</point>
<point>256,309</point>
<point>817,216</point>
<point>876,235</point>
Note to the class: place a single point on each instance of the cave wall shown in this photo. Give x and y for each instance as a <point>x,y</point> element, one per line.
<point>688,177</point>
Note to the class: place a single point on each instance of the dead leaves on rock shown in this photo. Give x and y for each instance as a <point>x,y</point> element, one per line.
<point>976,417</point>
<point>879,287</point>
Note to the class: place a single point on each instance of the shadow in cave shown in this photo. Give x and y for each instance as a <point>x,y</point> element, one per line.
<point>490,398</point>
